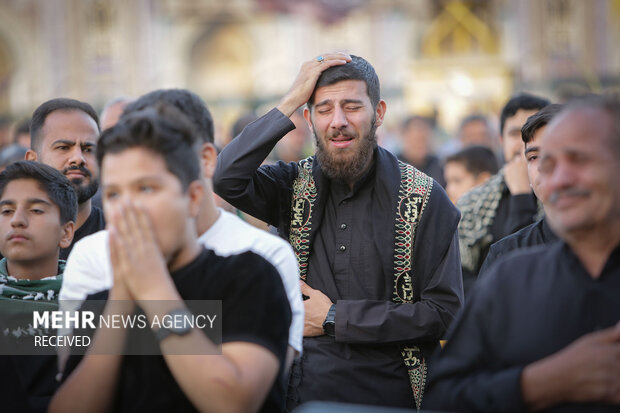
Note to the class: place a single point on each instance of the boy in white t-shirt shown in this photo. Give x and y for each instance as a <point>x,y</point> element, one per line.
<point>88,267</point>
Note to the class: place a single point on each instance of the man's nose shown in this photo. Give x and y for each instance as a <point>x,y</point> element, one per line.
<point>77,156</point>
<point>19,219</point>
<point>339,119</point>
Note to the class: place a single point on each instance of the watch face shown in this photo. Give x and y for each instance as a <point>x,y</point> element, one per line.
<point>329,327</point>
<point>180,327</point>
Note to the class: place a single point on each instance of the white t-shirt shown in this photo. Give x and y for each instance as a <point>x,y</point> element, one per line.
<point>89,270</point>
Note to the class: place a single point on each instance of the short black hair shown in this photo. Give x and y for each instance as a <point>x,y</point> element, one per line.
<point>538,120</point>
<point>162,129</point>
<point>55,184</point>
<point>357,69</point>
<point>41,113</point>
<point>476,159</point>
<point>189,103</point>
<point>523,101</point>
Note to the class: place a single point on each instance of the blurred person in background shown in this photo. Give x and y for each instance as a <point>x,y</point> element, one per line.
<point>539,232</point>
<point>505,203</point>
<point>112,111</point>
<point>297,144</point>
<point>476,130</point>
<point>467,169</point>
<point>21,135</point>
<point>10,154</point>
<point>473,130</point>
<point>417,147</point>
<point>6,138</point>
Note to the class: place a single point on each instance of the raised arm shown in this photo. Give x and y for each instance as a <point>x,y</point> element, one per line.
<point>239,178</point>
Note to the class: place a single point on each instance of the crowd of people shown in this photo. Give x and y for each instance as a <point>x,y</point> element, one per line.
<point>472,277</point>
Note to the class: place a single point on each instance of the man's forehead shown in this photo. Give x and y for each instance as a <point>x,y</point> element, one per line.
<point>24,188</point>
<point>133,164</point>
<point>536,138</point>
<point>70,124</point>
<point>518,119</point>
<point>344,89</point>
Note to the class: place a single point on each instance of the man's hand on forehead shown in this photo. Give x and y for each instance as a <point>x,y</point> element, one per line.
<point>136,258</point>
<point>304,84</point>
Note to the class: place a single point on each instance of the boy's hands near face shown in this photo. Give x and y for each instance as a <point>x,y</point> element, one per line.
<point>137,261</point>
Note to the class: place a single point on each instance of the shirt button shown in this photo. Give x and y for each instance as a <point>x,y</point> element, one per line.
<point>343,226</point>
<point>342,248</point>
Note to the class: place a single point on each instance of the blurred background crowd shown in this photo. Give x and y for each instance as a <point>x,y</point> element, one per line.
<point>446,66</point>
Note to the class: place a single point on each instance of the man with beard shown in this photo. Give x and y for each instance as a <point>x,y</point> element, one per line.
<point>376,302</point>
<point>64,134</point>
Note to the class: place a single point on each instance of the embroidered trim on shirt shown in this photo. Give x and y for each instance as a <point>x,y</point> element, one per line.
<point>415,189</point>
<point>304,196</point>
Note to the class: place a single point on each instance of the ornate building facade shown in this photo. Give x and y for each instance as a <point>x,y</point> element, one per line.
<point>450,57</point>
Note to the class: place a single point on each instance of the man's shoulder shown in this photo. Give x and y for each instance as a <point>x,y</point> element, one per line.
<point>525,237</point>
<point>96,219</point>
<point>95,244</point>
<point>525,262</point>
<point>241,270</point>
<point>240,236</point>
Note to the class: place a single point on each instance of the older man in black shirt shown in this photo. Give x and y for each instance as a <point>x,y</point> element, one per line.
<point>375,238</point>
<point>542,329</point>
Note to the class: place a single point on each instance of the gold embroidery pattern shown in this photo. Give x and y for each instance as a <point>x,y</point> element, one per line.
<point>413,197</point>
<point>304,196</point>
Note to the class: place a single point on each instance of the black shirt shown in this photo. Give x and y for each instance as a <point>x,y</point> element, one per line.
<point>94,223</point>
<point>352,261</point>
<point>534,234</point>
<point>531,304</point>
<point>255,309</point>
<point>513,213</point>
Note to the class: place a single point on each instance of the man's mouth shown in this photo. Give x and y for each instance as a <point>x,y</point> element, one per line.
<point>75,174</point>
<point>341,141</point>
<point>17,237</point>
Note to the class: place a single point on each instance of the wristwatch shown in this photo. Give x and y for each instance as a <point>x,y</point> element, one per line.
<point>164,332</point>
<point>329,325</point>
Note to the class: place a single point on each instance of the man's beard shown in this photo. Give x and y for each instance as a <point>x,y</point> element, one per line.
<point>350,167</point>
<point>83,191</point>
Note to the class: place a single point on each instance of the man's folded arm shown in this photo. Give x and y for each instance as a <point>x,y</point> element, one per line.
<point>380,321</point>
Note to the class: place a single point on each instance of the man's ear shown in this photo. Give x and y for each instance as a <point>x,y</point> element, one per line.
<point>380,112</point>
<point>308,117</point>
<point>31,155</point>
<point>208,159</point>
<point>66,237</point>
<point>196,191</point>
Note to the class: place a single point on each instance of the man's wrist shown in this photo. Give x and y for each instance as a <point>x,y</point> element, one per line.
<point>540,385</point>
<point>329,325</point>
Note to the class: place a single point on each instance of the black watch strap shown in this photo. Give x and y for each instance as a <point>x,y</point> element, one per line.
<point>164,332</point>
<point>329,325</point>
